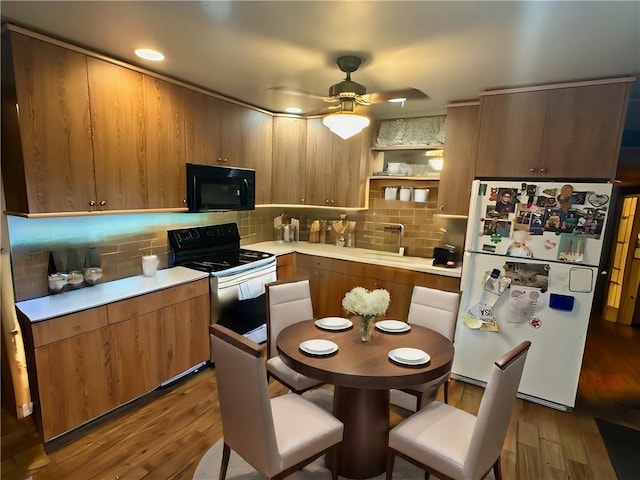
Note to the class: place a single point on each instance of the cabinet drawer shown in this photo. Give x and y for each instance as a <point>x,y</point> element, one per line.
<point>150,302</point>
<point>321,263</point>
<point>50,331</point>
<point>451,284</point>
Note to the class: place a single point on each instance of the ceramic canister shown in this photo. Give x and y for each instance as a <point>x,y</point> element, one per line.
<point>405,194</point>
<point>390,193</point>
<point>420,194</point>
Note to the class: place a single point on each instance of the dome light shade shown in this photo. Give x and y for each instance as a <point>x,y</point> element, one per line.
<point>345,125</point>
<point>149,54</point>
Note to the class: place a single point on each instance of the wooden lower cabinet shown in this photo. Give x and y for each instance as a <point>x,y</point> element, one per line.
<point>88,363</point>
<point>286,266</point>
<point>75,381</point>
<point>399,283</point>
<point>137,347</point>
<point>158,336</point>
<point>185,344</point>
<point>330,279</point>
<point>325,281</point>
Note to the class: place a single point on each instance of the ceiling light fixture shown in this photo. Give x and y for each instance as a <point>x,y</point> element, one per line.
<point>293,110</point>
<point>346,123</point>
<point>149,54</point>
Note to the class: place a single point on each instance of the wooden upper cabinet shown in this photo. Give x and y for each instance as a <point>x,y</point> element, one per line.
<point>165,143</point>
<point>257,145</point>
<point>564,131</point>
<point>246,141</point>
<point>223,133</point>
<point>583,130</point>
<point>289,160</point>
<point>232,135</point>
<point>47,153</point>
<point>349,168</point>
<point>202,119</point>
<point>511,130</point>
<point>336,168</point>
<point>319,154</point>
<point>117,118</point>
<point>459,162</point>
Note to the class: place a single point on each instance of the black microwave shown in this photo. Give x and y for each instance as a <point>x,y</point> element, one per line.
<point>212,188</point>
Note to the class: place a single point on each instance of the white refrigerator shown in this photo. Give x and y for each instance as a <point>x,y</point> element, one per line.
<point>529,271</point>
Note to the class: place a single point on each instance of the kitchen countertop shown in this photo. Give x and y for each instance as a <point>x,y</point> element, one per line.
<point>362,255</point>
<point>51,306</point>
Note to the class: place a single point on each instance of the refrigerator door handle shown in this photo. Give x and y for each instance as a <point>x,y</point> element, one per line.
<point>464,275</point>
<point>472,227</point>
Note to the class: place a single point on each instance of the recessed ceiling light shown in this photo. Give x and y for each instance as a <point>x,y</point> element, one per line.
<point>149,54</point>
<point>293,110</point>
<point>397,100</point>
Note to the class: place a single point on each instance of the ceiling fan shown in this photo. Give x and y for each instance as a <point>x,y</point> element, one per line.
<point>347,95</point>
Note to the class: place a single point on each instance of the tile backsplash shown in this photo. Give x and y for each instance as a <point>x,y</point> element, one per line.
<point>121,240</point>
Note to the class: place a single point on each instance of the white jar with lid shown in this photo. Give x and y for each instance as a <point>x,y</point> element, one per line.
<point>390,193</point>
<point>421,195</point>
<point>405,194</point>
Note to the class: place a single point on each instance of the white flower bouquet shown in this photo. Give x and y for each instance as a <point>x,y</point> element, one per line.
<point>360,301</point>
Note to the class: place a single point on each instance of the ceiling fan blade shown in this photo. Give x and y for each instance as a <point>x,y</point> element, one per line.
<point>408,93</point>
<point>301,93</point>
<point>323,111</point>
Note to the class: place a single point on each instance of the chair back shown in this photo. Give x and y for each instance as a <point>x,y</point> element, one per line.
<point>288,302</point>
<point>434,309</point>
<point>245,407</point>
<point>495,411</point>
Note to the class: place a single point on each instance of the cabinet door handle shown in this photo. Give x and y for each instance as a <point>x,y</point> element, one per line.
<point>224,160</point>
<point>302,200</point>
<point>92,203</point>
<point>532,170</point>
<point>184,201</point>
<point>103,202</point>
<point>442,208</point>
<point>543,169</point>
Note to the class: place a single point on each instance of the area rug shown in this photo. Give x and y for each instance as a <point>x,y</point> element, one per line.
<point>622,445</point>
<point>209,466</point>
<point>209,469</point>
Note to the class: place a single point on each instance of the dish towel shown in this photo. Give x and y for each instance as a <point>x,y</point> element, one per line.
<point>254,287</point>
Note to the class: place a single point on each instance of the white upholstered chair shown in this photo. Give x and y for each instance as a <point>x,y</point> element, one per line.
<point>454,444</point>
<point>277,436</point>
<point>288,302</point>
<point>437,310</point>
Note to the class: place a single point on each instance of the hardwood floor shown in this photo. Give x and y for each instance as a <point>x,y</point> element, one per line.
<point>165,436</point>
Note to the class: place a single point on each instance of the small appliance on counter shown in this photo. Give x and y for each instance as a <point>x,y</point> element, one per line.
<point>444,256</point>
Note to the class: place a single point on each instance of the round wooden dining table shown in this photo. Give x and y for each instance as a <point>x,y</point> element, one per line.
<point>363,374</point>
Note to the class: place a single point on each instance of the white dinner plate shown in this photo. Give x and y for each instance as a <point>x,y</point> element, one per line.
<point>393,326</point>
<point>318,347</point>
<point>333,323</point>
<point>409,356</point>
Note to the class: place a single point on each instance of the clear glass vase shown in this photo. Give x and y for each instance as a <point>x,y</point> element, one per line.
<point>366,328</point>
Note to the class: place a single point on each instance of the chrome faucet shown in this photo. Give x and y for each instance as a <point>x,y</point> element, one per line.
<point>396,227</point>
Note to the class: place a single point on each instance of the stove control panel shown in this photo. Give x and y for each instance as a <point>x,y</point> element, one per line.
<point>214,236</point>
